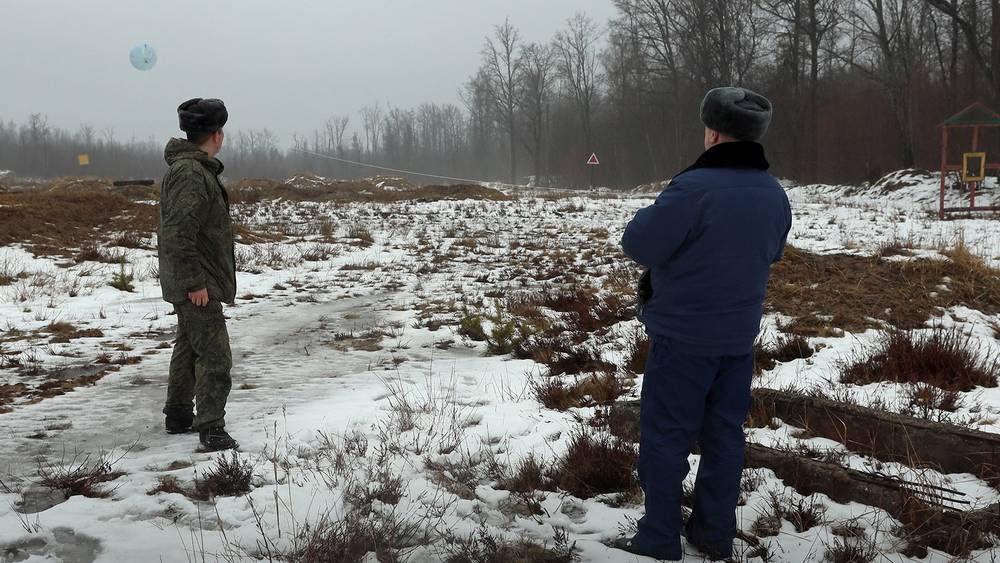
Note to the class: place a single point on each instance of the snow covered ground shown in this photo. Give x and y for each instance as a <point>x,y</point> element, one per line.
<point>350,367</point>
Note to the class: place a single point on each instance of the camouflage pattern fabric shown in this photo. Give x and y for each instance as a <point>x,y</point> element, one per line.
<point>200,365</point>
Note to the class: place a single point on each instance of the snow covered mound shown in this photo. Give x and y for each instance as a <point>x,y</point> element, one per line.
<point>651,188</point>
<point>906,178</point>
<point>911,187</point>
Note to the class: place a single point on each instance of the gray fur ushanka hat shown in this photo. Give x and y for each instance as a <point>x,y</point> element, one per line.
<point>737,112</point>
<point>201,115</point>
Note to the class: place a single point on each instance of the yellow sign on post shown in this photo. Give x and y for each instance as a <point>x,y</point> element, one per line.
<point>83,159</point>
<point>973,167</point>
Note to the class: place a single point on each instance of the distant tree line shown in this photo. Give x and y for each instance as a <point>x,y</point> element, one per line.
<point>859,87</point>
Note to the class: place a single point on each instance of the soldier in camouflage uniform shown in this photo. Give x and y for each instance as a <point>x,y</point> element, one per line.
<point>198,274</point>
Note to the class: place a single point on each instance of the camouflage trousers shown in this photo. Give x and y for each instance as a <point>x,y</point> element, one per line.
<point>200,366</point>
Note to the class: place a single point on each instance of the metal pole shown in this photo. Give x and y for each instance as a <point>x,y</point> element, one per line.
<point>944,163</point>
<point>975,148</point>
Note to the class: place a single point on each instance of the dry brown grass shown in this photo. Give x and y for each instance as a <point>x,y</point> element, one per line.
<point>53,221</point>
<point>785,348</point>
<point>827,292</point>
<point>562,356</point>
<point>314,188</point>
<point>637,351</point>
<point>230,476</point>
<point>598,389</point>
<point>925,526</point>
<point>81,476</point>
<point>484,547</point>
<point>63,332</point>
<point>946,359</point>
<point>598,463</point>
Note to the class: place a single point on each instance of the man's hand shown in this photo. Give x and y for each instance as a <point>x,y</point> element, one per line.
<point>199,298</point>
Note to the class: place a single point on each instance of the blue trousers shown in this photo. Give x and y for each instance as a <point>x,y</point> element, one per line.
<point>688,398</point>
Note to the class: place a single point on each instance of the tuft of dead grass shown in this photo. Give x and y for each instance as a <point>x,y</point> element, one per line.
<point>82,475</point>
<point>350,539</point>
<point>784,348</point>
<point>946,358</point>
<point>230,476</point>
<point>851,550</point>
<point>925,526</point>
<point>598,463</point>
<point>484,547</point>
<point>598,389</point>
<point>637,351</point>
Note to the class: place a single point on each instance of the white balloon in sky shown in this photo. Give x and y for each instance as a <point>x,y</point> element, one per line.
<point>143,56</point>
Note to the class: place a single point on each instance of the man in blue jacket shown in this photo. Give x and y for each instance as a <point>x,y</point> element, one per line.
<point>707,244</point>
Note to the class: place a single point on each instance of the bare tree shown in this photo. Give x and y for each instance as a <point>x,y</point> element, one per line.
<point>535,91</point>
<point>984,46</point>
<point>371,118</point>
<point>576,48</point>
<point>893,49</point>
<point>659,31</point>
<point>804,25</point>
<point>626,78</point>
<point>503,67</point>
<point>478,102</point>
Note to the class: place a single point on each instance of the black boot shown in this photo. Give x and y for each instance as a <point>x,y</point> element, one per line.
<point>178,423</point>
<point>216,439</point>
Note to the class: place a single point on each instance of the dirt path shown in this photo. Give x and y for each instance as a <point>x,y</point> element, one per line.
<point>279,353</point>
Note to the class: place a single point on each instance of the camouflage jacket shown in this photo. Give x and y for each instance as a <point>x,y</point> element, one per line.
<point>196,233</point>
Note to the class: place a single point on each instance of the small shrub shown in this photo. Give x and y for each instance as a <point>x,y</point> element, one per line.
<point>471,326</point>
<point>505,337</point>
<point>595,464</point>
<point>122,280</point>
<point>231,476</point>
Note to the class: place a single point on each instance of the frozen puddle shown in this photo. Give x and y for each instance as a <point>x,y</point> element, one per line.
<point>62,544</point>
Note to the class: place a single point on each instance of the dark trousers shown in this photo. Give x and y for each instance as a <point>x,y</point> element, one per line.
<point>200,365</point>
<point>688,398</point>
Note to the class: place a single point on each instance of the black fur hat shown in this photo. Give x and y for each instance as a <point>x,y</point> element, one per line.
<point>202,115</point>
<point>738,112</point>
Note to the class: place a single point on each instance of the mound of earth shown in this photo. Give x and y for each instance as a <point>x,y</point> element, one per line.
<point>379,188</point>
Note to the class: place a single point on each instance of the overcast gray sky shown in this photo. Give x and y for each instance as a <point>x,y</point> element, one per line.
<point>282,65</point>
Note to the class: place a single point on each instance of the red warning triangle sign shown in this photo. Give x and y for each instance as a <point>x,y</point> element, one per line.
<point>593,160</point>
